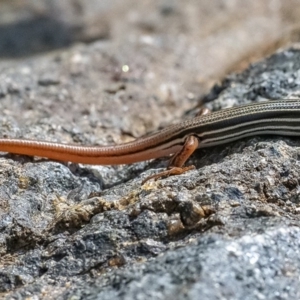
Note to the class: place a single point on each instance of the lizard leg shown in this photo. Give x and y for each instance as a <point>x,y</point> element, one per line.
<point>178,160</point>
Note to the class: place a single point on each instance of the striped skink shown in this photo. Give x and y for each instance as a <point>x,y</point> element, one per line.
<point>280,117</point>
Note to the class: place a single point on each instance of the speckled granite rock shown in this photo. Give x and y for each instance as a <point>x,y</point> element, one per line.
<point>228,229</point>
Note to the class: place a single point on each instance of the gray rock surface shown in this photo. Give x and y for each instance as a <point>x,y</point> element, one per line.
<point>227,230</point>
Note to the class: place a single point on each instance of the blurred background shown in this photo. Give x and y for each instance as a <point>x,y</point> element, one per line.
<point>216,36</point>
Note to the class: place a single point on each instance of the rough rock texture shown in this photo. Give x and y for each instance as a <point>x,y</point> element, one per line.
<point>227,230</point>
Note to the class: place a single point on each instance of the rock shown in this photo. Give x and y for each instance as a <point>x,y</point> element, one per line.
<point>229,228</point>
